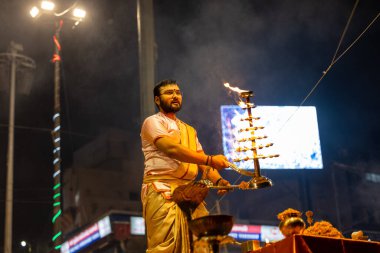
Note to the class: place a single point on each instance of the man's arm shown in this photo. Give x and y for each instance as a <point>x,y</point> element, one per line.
<point>184,154</point>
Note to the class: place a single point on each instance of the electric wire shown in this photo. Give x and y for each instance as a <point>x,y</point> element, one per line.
<point>338,58</point>
<point>360,35</point>
<point>333,62</point>
<point>49,130</point>
<point>44,129</point>
<point>345,30</point>
<point>28,189</point>
<point>30,201</point>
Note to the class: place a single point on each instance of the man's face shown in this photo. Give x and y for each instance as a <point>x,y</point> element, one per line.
<point>170,99</point>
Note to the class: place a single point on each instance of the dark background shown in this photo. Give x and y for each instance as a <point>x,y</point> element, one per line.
<point>278,49</point>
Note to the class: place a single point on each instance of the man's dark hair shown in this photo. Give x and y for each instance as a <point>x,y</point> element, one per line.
<point>156,90</point>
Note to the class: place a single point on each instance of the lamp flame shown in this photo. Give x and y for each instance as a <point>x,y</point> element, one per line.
<point>242,104</point>
<point>235,89</point>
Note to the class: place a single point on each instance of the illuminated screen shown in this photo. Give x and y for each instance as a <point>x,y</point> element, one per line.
<point>137,225</point>
<point>88,236</point>
<point>244,232</point>
<point>293,131</point>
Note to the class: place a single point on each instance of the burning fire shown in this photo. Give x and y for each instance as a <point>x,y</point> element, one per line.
<point>242,104</point>
<point>235,89</point>
<point>245,105</point>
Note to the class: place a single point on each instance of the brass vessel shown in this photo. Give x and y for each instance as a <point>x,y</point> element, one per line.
<point>291,226</point>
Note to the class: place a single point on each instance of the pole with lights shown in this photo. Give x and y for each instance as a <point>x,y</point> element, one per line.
<point>77,14</point>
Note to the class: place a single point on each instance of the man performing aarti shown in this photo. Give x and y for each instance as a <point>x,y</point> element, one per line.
<point>173,156</point>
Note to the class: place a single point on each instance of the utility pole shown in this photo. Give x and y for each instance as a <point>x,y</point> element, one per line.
<point>16,61</point>
<point>145,29</point>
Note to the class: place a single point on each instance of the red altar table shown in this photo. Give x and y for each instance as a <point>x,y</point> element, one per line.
<point>319,244</point>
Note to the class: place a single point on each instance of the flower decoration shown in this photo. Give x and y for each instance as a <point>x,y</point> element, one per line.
<point>309,215</point>
<point>323,228</point>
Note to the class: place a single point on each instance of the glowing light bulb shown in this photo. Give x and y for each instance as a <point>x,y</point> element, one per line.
<point>47,5</point>
<point>79,13</point>
<point>34,12</point>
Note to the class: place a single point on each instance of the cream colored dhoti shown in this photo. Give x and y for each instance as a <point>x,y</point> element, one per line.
<point>167,226</point>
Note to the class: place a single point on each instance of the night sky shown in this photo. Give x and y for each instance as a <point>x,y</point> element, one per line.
<point>278,49</point>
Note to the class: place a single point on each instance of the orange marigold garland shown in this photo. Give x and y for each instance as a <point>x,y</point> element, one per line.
<point>323,228</point>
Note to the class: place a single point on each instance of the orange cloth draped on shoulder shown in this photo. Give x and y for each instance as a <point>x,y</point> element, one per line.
<point>188,139</point>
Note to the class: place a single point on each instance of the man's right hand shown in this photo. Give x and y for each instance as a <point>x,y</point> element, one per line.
<point>219,162</point>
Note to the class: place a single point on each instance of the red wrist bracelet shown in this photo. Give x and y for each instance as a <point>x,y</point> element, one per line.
<point>207,159</point>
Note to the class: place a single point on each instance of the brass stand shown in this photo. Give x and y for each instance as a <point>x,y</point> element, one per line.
<point>258,181</point>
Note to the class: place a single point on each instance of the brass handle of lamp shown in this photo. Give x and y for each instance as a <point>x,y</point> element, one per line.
<point>240,171</point>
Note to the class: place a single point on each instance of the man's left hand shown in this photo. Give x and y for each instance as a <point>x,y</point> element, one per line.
<point>223,182</point>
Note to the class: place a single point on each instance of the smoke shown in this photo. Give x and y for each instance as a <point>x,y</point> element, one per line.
<point>267,48</point>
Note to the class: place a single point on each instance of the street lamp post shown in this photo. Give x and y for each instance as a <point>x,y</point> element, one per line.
<point>47,7</point>
<point>17,61</point>
<point>56,134</point>
<point>145,30</point>
<point>10,168</point>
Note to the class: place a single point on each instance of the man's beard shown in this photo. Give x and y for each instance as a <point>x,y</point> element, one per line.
<point>168,107</point>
